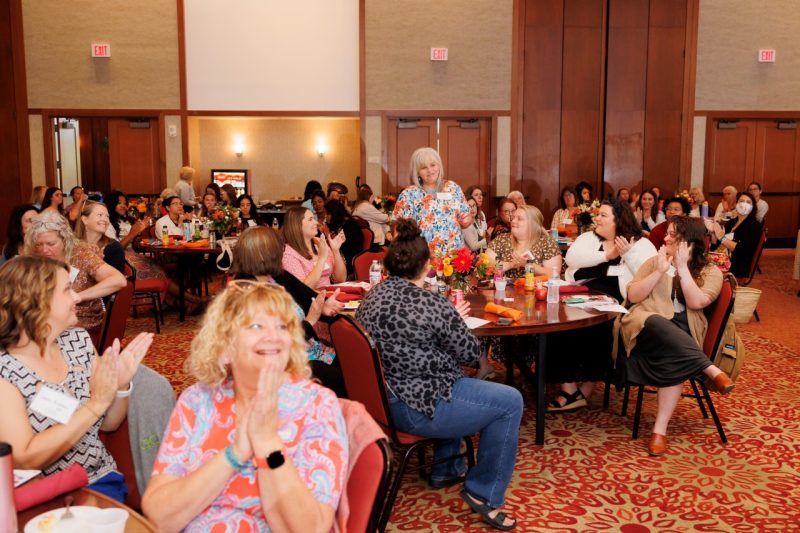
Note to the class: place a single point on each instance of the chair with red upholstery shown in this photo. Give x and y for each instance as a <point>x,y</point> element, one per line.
<point>366,486</point>
<point>363,375</point>
<point>363,260</point>
<point>368,236</point>
<point>146,292</point>
<point>717,315</point>
<point>118,308</point>
<point>762,240</point>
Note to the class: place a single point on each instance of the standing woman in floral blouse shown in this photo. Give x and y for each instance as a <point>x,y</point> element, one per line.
<point>437,205</point>
<point>424,342</point>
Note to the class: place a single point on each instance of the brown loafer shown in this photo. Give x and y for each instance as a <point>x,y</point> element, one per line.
<point>722,383</point>
<point>658,445</point>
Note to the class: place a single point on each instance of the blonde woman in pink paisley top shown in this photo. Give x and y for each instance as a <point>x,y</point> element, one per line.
<point>254,445</point>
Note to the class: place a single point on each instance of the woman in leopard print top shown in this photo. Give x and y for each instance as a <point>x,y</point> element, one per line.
<point>424,341</point>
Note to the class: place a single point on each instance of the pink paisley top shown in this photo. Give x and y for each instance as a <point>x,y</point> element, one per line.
<point>203,424</point>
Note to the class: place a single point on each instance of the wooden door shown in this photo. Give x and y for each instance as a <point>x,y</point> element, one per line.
<point>405,136</point>
<point>134,155</point>
<point>765,151</point>
<point>777,169</point>
<point>464,147</point>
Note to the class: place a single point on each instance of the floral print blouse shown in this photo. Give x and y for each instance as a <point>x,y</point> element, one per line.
<point>436,214</point>
<point>87,259</point>
<point>203,424</point>
<point>542,250</point>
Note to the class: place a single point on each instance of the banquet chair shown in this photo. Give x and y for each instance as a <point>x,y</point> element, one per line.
<point>717,315</point>
<point>145,292</point>
<point>754,264</point>
<point>117,309</point>
<point>363,260</point>
<point>367,485</point>
<point>369,236</point>
<point>364,379</point>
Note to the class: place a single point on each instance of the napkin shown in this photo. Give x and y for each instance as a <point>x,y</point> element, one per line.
<point>196,244</point>
<point>569,289</point>
<point>502,310</point>
<point>43,490</point>
<point>349,289</point>
<point>343,296</point>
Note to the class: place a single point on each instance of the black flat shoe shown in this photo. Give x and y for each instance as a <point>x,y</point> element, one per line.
<point>447,482</point>
<point>482,508</point>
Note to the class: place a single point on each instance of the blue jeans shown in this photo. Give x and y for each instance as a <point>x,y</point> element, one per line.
<point>490,408</point>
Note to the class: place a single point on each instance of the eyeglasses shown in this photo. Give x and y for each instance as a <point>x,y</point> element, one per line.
<point>245,285</point>
<point>508,211</point>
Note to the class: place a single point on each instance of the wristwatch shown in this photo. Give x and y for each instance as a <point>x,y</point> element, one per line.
<point>271,461</point>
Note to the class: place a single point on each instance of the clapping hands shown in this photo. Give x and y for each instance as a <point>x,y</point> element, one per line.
<point>682,255</point>
<point>664,261</point>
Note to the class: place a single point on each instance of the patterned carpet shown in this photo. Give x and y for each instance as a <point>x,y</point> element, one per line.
<point>590,475</point>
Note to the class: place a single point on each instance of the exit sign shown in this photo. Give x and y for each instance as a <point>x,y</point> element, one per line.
<point>766,55</point>
<point>438,54</point>
<point>101,50</point>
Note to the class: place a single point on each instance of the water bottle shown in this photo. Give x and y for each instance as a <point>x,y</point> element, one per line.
<point>441,286</point>
<point>552,286</point>
<point>198,230</point>
<point>530,282</point>
<point>165,235</point>
<point>8,512</point>
<point>187,231</point>
<point>704,210</point>
<point>374,273</point>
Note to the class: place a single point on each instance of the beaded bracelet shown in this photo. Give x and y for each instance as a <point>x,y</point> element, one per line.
<point>232,460</point>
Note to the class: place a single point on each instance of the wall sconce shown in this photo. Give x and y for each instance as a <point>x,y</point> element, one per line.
<point>238,147</point>
<point>321,149</point>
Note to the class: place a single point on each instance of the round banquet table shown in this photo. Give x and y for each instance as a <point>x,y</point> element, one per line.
<point>136,523</point>
<point>188,259</point>
<point>538,318</point>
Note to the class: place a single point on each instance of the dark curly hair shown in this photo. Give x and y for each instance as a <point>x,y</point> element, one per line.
<point>685,207</point>
<point>625,220</point>
<point>408,253</point>
<point>14,236</point>
<point>691,230</point>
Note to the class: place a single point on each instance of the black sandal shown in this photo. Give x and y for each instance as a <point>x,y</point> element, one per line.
<point>482,508</point>
<point>574,401</point>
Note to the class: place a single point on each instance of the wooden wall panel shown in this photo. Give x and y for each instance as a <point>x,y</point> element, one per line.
<point>541,127</point>
<point>582,86</point>
<point>663,122</point>
<point>625,94</point>
<point>465,152</point>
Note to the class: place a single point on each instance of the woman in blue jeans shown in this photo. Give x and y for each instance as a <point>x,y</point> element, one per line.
<point>424,343</point>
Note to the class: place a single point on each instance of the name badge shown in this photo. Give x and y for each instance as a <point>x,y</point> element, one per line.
<point>671,271</point>
<point>73,274</point>
<point>444,196</point>
<point>567,221</point>
<point>615,270</point>
<point>54,404</point>
<point>251,223</point>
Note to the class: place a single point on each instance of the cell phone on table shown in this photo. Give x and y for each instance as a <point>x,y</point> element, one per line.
<point>503,321</point>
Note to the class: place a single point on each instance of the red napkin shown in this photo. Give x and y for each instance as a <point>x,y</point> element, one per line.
<point>343,296</point>
<point>571,289</point>
<point>349,289</point>
<point>45,489</point>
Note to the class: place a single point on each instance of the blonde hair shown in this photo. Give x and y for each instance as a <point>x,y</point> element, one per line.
<point>536,229</point>
<point>80,225</point>
<point>420,158</point>
<point>699,191</point>
<point>50,221</point>
<point>27,283</point>
<point>233,309</point>
<point>187,173</point>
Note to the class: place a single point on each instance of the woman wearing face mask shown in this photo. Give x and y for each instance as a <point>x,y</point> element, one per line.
<point>378,220</point>
<point>739,236</point>
<point>437,205</point>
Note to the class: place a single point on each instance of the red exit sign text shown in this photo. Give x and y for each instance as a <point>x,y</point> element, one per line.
<point>766,55</point>
<point>101,50</point>
<point>438,54</point>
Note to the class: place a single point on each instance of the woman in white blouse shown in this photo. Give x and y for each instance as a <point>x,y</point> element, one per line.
<point>647,213</point>
<point>378,220</point>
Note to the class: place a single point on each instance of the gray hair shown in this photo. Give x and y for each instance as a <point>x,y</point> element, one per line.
<point>50,221</point>
<point>420,158</point>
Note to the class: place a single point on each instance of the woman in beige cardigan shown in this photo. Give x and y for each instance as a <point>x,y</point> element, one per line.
<point>664,331</point>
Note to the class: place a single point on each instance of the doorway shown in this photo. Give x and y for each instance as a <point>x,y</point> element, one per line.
<point>463,144</point>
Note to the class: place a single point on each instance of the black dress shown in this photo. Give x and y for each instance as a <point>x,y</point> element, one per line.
<point>746,236</point>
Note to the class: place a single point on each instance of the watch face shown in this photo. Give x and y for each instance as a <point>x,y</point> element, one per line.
<point>275,459</point>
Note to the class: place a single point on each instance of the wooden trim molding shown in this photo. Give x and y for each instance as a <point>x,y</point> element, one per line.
<point>446,113</point>
<point>517,100</point>
<point>76,112</point>
<point>689,81</point>
<point>288,114</point>
<point>21,100</point>
<point>49,150</point>
<point>749,114</point>
<point>182,82</point>
<point>162,149</point>
<point>362,88</point>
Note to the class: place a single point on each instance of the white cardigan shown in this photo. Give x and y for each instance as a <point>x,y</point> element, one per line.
<point>586,252</point>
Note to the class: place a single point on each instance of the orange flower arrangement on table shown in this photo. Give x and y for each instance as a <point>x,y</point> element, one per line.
<point>459,266</point>
<point>584,215</point>
<point>222,218</point>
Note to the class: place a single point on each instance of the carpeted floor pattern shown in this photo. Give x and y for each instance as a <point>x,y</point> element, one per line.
<point>590,475</point>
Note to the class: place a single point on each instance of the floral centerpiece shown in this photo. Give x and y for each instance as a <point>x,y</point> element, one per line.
<point>584,215</point>
<point>386,203</point>
<point>458,266</point>
<point>222,218</point>
<point>137,209</point>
